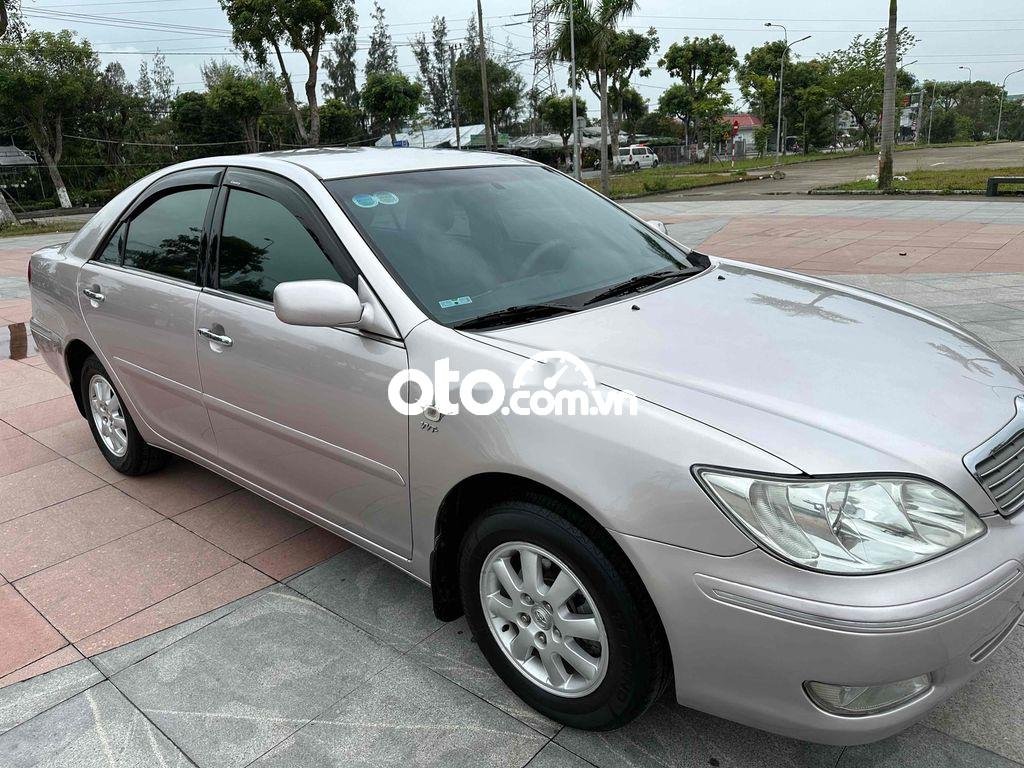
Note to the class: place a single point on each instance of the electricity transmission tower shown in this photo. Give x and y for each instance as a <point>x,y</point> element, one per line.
<point>543,71</point>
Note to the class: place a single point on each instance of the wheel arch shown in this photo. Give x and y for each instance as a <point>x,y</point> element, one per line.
<point>467,500</point>
<point>75,354</point>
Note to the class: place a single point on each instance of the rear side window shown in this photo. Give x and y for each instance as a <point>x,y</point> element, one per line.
<point>166,237</point>
<point>263,244</point>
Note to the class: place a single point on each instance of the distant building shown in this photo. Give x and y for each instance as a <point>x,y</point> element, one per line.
<point>747,125</point>
<point>443,138</point>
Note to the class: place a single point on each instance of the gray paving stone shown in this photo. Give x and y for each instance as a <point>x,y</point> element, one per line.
<point>554,756</point>
<point>921,747</point>
<point>113,661</point>
<point>26,699</point>
<point>452,652</point>
<point>409,716</point>
<point>98,727</point>
<point>234,689</point>
<point>1013,351</point>
<point>979,312</point>
<point>374,595</point>
<point>669,735</point>
<point>989,711</point>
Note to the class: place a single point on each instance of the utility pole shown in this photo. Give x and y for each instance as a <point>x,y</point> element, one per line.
<point>1002,98</point>
<point>931,113</point>
<point>488,136</point>
<point>577,158</point>
<point>455,97</point>
<point>888,104</point>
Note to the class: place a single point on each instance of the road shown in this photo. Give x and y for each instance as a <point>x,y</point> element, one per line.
<point>805,176</point>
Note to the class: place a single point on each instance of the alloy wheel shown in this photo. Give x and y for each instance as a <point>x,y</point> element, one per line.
<point>108,415</point>
<point>543,619</point>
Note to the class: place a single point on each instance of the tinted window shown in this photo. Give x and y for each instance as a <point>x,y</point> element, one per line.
<point>263,244</point>
<point>112,253</point>
<point>165,238</point>
<point>469,241</point>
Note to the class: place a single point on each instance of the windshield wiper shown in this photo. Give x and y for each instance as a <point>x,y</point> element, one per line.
<point>514,314</point>
<point>638,283</point>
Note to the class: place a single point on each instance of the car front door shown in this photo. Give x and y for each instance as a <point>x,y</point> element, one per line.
<point>301,412</point>
<point>138,296</point>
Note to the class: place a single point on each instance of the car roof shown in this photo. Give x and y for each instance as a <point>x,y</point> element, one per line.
<point>347,162</point>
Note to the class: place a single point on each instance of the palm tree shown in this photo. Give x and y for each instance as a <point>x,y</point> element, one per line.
<point>596,25</point>
<point>888,104</point>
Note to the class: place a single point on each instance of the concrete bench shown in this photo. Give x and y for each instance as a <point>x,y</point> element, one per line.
<point>992,189</point>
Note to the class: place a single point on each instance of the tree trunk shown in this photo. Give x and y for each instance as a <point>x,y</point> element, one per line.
<point>616,121</point>
<point>888,105</point>
<point>605,161</point>
<point>311,100</point>
<point>289,95</point>
<point>55,177</point>
<point>7,217</point>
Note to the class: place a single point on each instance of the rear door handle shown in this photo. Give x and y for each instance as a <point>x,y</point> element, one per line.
<point>206,333</point>
<point>93,295</point>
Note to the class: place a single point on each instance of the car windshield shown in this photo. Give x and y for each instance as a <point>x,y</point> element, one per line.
<point>469,242</point>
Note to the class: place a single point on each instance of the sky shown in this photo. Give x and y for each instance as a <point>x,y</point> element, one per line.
<point>985,35</point>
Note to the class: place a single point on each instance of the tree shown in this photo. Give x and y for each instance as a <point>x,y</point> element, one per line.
<point>809,104</point>
<point>596,28</point>
<point>758,77</point>
<point>381,56</point>
<point>44,82</point>
<point>505,91</point>
<point>633,107</point>
<point>341,122</point>
<point>888,104</point>
<point>856,77</point>
<point>340,63</point>
<point>261,26</point>
<point>628,54</point>
<point>704,64</point>
<point>556,111</point>
<point>11,29</point>
<point>392,99</point>
<point>435,71</point>
<point>117,113</point>
<point>240,98</point>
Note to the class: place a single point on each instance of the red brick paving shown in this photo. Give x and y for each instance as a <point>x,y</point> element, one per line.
<point>846,245</point>
<point>90,560</point>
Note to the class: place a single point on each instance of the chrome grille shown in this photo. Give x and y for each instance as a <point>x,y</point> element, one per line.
<point>1002,475</point>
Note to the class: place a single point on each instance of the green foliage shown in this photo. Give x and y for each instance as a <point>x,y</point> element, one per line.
<point>556,111</point>
<point>261,26</point>
<point>341,123</point>
<point>505,90</point>
<point>241,98</point>
<point>762,135</point>
<point>381,56</point>
<point>340,63</point>
<point>704,65</point>
<point>435,70</point>
<point>392,99</point>
<point>758,77</point>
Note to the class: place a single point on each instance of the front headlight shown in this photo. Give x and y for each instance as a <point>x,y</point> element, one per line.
<point>846,526</point>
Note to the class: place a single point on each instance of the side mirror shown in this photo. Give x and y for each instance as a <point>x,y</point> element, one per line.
<point>320,303</point>
<point>658,225</point>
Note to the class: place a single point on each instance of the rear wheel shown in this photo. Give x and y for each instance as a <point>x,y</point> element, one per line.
<point>112,426</point>
<point>563,621</point>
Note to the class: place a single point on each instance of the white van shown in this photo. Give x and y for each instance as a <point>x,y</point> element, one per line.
<point>635,157</point>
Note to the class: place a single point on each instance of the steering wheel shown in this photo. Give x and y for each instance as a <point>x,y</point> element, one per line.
<point>538,253</point>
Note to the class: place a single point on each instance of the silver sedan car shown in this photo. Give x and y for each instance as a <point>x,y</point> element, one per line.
<point>805,520</point>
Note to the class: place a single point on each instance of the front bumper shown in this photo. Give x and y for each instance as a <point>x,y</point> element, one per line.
<point>748,631</point>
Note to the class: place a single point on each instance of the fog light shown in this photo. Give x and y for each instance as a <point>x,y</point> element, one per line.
<point>857,700</point>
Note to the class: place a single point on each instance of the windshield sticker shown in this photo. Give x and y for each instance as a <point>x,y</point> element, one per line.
<point>365,201</point>
<point>449,303</point>
<point>386,198</point>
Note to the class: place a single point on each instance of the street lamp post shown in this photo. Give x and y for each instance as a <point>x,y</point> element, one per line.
<point>1002,97</point>
<point>970,73</point>
<point>782,70</point>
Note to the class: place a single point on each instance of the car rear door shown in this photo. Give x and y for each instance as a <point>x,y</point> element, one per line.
<point>301,412</point>
<point>138,297</point>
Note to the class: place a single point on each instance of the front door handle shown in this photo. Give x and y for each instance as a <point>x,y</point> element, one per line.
<point>206,333</point>
<point>93,295</point>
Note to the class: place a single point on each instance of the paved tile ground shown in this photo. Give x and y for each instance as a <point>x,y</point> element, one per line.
<point>179,620</point>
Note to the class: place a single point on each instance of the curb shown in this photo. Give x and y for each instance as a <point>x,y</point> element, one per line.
<point>895,192</point>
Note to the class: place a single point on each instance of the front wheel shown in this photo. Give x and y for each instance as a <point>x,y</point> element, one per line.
<point>564,621</point>
<point>112,427</point>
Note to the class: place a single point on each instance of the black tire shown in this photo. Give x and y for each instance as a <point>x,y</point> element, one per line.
<point>140,458</point>
<point>654,164</point>
<point>638,664</point>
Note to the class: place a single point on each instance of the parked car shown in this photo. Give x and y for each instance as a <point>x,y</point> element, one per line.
<point>809,524</point>
<point>633,158</point>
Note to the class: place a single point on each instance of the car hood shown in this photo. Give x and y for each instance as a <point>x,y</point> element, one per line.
<point>828,378</point>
